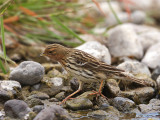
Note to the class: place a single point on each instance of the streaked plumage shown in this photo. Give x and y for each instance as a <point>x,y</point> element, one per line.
<point>85,67</point>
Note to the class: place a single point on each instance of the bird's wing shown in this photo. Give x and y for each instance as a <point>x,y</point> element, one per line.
<point>85,60</point>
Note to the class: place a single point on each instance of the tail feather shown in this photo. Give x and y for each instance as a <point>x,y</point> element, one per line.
<point>144,82</point>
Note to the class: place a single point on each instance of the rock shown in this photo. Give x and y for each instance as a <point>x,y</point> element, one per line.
<point>123,104</point>
<point>38,108</point>
<point>39,95</point>
<point>9,89</point>
<point>60,96</point>
<point>50,86</point>
<point>32,101</point>
<point>102,115</point>
<point>79,104</point>
<point>97,50</point>
<point>137,17</point>
<point>28,73</point>
<point>122,41</point>
<point>53,112</point>
<point>139,95</point>
<point>156,73</point>
<point>152,56</point>
<point>16,108</point>
<point>113,87</point>
<point>134,67</point>
<point>152,107</point>
<point>149,38</point>
<point>158,82</point>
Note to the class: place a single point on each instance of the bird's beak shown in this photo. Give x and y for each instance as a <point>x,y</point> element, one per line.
<point>42,54</point>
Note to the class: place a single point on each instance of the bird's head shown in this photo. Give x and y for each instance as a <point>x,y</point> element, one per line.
<point>55,51</point>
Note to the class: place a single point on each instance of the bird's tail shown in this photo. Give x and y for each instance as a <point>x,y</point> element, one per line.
<point>130,77</point>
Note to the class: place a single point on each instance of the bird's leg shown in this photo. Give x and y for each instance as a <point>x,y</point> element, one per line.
<point>68,97</point>
<point>99,91</point>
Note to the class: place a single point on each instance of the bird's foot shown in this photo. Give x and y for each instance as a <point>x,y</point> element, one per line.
<point>99,93</point>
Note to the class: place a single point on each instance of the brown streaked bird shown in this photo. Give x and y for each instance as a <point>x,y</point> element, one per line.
<point>85,67</point>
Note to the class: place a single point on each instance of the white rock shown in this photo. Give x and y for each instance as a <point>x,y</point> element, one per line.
<point>134,67</point>
<point>158,82</point>
<point>9,84</point>
<point>152,56</point>
<point>57,81</point>
<point>137,17</point>
<point>149,38</point>
<point>97,50</point>
<point>122,41</point>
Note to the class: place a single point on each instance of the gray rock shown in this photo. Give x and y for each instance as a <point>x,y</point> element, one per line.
<point>122,41</point>
<point>16,108</point>
<point>97,50</point>
<point>39,95</point>
<point>139,95</point>
<point>53,112</point>
<point>152,56</point>
<point>38,108</point>
<point>123,104</point>
<point>28,73</point>
<point>152,107</point>
<point>79,104</point>
<point>113,87</point>
<point>134,67</point>
<point>103,115</point>
<point>9,89</point>
<point>156,73</point>
<point>50,86</point>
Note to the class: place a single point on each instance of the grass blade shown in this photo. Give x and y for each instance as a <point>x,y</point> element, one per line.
<point>66,28</point>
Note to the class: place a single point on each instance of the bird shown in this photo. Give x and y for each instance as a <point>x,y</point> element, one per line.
<point>86,68</point>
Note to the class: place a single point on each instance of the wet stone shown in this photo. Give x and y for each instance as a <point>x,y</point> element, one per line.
<point>16,108</point>
<point>152,107</point>
<point>79,104</point>
<point>123,104</point>
<point>139,95</point>
<point>53,112</point>
<point>28,73</point>
<point>9,89</point>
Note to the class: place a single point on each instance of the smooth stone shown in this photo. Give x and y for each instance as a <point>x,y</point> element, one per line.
<point>50,86</point>
<point>32,101</point>
<point>123,104</point>
<point>149,38</point>
<point>156,73</point>
<point>38,108</point>
<point>152,56</point>
<point>53,112</point>
<point>158,83</point>
<point>122,41</point>
<point>139,95</point>
<point>28,73</point>
<point>79,104</point>
<point>97,50</point>
<point>113,87</point>
<point>39,95</point>
<point>16,108</point>
<point>152,107</point>
<point>60,96</point>
<point>9,89</point>
<point>134,67</point>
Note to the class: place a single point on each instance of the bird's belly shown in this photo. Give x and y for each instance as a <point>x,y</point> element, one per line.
<point>83,75</point>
